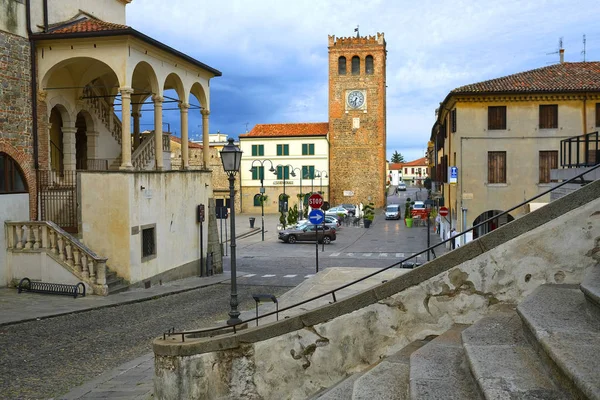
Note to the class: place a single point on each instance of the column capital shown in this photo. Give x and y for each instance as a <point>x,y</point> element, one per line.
<point>136,114</point>
<point>126,92</point>
<point>184,107</point>
<point>69,129</point>
<point>92,133</point>
<point>205,113</point>
<point>157,99</point>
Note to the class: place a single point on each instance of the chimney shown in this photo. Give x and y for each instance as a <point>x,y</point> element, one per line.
<point>562,55</point>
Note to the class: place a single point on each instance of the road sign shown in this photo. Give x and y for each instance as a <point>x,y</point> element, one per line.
<point>443,211</point>
<point>453,175</point>
<point>325,206</point>
<point>315,200</point>
<point>316,217</point>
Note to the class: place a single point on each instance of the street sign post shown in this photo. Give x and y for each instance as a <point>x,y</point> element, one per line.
<point>316,217</point>
<point>326,206</point>
<point>315,200</point>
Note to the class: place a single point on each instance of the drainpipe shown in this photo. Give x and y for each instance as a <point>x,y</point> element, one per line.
<point>33,60</point>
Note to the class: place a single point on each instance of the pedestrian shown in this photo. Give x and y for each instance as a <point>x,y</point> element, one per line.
<point>453,241</point>
<point>438,222</point>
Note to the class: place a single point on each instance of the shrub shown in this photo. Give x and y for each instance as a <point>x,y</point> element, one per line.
<point>369,211</point>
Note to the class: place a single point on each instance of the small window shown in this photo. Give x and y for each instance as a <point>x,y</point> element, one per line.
<point>308,149</point>
<point>355,65</point>
<point>369,65</point>
<point>283,149</point>
<point>597,114</point>
<point>497,117</point>
<point>496,167</point>
<point>308,172</point>
<point>453,120</point>
<point>406,171</point>
<point>257,200</point>
<point>549,116</point>
<point>342,65</point>
<point>258,173</point>
<point>283,172</point>
<point>258,150</point>
<point>148,242</point>
<point>412,171</point>
<point>11,176</point>
<point>548,162</point>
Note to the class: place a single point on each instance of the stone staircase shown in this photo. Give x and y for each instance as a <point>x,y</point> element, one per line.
<point>546,348</point>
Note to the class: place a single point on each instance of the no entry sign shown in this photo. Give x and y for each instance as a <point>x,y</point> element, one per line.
<point>443,211</point>
<point>315,200</point>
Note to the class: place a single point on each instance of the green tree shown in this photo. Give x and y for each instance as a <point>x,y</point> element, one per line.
<point>397,157</point>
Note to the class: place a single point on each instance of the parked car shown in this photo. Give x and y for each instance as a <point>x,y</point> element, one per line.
<point>402,187</point>
<point>351,208</point>
<point>330,220</point>
<point>336,211</point>
<point>392,211</point>
<point>307,233</point>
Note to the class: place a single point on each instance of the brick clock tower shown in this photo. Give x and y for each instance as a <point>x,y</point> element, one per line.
<point>357,120</point>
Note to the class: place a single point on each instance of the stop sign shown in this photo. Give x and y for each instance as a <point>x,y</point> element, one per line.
<point>315,200</point>
<point>443,211</point>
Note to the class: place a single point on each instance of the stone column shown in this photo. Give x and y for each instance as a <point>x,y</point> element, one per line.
<point>69,151</point>
<point>136,128</point>
<point>126,129</point>
<point>185,164</point>
<point>205,146</point>
<point>158,131</point>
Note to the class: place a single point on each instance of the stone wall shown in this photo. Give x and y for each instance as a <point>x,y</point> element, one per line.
<point>301,354</point>
<point>357,156</point>
<point>16,138</point>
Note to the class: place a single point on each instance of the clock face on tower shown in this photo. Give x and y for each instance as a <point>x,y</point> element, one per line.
<point>355,99</point>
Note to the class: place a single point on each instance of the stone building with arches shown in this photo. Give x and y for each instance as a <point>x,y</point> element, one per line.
<point>74,160</point>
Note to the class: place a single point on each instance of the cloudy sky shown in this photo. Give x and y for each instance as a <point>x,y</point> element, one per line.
<point>273,53</point>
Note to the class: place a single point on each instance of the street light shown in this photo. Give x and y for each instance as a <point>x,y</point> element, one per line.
<point>262,191</point>
<point>320,176</point>
<point>290,168</point>
<point>301,196</point>
<point>231,156</point>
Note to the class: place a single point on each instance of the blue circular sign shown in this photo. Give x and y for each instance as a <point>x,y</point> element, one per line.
<point>316,217</point>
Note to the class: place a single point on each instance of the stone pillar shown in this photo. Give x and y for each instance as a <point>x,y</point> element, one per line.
<point>158,131</point>
<point>185,164</point>
<point>205,146</point>
<point>69,151</point>
<point>126,128</point>
<point>136,129</point>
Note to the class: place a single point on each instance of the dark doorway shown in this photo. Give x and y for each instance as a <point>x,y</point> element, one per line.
<point>491,225</point>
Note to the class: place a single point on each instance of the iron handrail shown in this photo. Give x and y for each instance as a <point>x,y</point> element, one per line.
<point>332,292</point>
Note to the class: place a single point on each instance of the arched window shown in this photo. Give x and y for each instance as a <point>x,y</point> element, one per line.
<point>11,176</point>
<point>257,200</point>
<point>342,65</point>
<point>369,65</point>
<point>355,65</point>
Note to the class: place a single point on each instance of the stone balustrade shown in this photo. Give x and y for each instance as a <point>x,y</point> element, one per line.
<point>144,153</point>
<point>103,111</point>
<point>63,247</point>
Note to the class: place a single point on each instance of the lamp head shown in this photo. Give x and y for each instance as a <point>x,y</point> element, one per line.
<point>231,157</point>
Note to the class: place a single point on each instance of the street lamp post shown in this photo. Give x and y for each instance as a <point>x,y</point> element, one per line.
<point>231,156</point>
<point>262,191</point>
<point>301,197</point>
<point>320,176</point>
<point>291,168</point>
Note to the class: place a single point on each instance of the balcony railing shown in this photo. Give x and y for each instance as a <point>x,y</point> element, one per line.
<point>580,151</point>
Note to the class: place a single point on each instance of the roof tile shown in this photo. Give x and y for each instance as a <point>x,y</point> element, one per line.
<point>564,77</point>
<point>290,130</point>
<point>87,25</point>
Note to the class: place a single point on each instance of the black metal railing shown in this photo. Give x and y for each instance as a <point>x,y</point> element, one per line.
<point>56,157</point>
<point>92,165</point>
<point>580,151</point>
<point>332,293</point>
<point>57,193</point>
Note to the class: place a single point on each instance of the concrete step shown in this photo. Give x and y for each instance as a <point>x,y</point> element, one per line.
<point>591,286</point>
<point>439,370</point>
<point>118,288</point>
<point>567,336</point>
<point>386,380</point>
<point>503,362</point>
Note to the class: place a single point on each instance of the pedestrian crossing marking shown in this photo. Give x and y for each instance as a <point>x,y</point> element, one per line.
<point>399,255</point>
<point>367,254</point>
<point>290,276</point>
<point>249,275</point>
<point>350,254</point>
<point>383,255</point>
<point>268,276</point>
<point>334,254</point>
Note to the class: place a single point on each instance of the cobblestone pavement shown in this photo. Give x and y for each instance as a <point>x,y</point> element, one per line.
<point>46,358</point>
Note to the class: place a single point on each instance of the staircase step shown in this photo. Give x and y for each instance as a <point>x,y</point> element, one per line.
<point>439,370</point>
<point>121,287</point>
<point>503,362</point>
<point>567,333</point>
<point>591,286</point>
<point>342,390</point>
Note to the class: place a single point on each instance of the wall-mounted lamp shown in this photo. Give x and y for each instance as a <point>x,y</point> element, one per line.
<point>142,188</point>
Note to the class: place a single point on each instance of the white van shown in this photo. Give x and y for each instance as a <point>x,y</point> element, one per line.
<point>392,211</point>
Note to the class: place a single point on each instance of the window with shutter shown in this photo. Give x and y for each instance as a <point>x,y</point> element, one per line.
<point>308,149</point>
<point>342,65</point>
<point>258,173</point>
<point>549,116</point>
<point>453,120</point>
<point>548,161</point>
<point>283,172</point>
<point>496,167</point>
<point>369,65</point>
<point>308,172</point>
<point>496,117</point>
<point>355,65</point>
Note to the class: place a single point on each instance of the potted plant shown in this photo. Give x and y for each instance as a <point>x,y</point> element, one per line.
<point>292,217</point>
<point>408,221</point>
<point>368,214</point>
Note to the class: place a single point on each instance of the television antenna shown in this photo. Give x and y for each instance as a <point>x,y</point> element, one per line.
<point>583,52</point>
<point>560,47</point>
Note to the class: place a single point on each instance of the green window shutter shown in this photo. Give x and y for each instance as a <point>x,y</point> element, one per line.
<point>279,172</point>
<point>304,149</point>
<point>286,172</point>
<point>254,150</point>
<point>261,150</point>
<point>311,149</point>
<point>286,149</point>
<point>278,149</point>
<point>261,171</point>
<point>311,172</point>
<point>254,171</point>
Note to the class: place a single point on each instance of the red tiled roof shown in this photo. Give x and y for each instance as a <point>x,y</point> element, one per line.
<point>87,25</point>
<point>564,77</point>
<point>417,162</point>
<point>291,130</point>
<point>395,166</point>
<point>191,145</point>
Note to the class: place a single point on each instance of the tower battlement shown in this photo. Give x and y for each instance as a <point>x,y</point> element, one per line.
<point>357,41</point>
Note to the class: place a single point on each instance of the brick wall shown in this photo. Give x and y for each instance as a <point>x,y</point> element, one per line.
<point>357,156</point>
<point>15,108</point>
